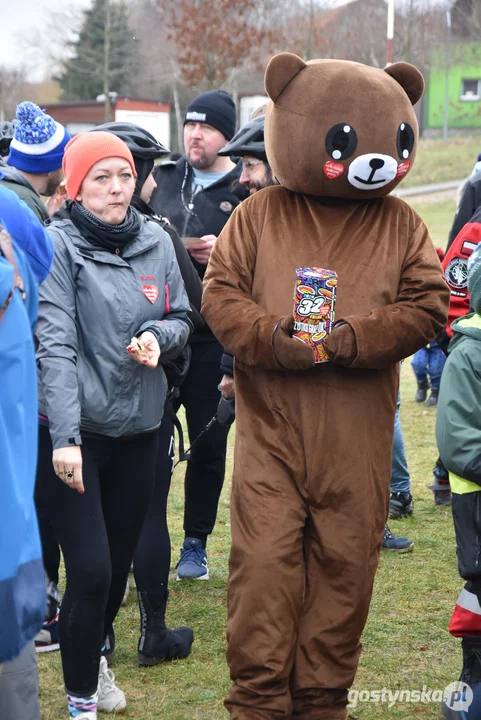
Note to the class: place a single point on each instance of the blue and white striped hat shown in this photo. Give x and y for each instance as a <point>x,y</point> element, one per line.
<point>39,141</point>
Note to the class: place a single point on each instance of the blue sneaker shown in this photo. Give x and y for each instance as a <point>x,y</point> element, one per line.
<point>193,561</point>
<point>399,544</point>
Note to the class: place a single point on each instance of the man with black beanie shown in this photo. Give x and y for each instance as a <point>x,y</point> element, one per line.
<point>195,193</point>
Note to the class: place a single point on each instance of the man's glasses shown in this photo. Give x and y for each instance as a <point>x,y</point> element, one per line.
<point>249,165</point>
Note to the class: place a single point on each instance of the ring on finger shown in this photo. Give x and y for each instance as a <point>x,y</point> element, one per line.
<point>69,474</point>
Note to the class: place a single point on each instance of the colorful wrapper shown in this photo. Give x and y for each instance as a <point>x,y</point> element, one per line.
<point>314,300</point>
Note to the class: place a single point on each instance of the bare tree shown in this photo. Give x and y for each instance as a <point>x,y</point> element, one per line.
<point>11,84</point>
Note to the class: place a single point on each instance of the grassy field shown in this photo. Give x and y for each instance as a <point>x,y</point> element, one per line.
<point>441,160</point>
<point>406,643</point>
<point>438,216</point>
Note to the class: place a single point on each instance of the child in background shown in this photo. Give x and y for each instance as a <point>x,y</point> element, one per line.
<point>427,365</point>
<point>458,430</point>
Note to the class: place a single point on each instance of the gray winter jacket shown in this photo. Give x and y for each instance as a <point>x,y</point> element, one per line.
<point>91,305</point>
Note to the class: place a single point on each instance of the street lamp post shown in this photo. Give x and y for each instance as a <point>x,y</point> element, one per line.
<point>446,85</point>
<point>390,32</point>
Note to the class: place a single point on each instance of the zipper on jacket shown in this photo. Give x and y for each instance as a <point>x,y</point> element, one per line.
<point>476,555</point>
<point>117,251</point>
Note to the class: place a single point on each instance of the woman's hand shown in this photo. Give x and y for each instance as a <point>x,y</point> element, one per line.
<point>201,250</point>
<point>145,350</point>
<point>67,463</point>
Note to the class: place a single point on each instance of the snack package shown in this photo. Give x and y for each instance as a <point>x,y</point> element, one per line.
<point>314,300</point>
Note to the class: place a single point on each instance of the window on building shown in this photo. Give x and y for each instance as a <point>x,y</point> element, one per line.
<point>471,90</point>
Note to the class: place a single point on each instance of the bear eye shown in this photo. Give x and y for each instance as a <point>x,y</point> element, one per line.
<point>405,140</point>
<point>341,141</point>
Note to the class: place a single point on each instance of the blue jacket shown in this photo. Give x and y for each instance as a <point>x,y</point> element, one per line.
<point>22,584</point>
<point>28,232</point>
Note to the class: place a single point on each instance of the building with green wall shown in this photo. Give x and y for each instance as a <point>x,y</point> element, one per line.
<point>464,106</point>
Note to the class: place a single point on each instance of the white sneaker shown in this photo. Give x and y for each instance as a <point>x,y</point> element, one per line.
<point>87,716</point>
<point>111,698</point>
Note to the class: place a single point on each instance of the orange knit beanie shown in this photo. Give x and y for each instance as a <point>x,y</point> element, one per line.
<point>86,149</point>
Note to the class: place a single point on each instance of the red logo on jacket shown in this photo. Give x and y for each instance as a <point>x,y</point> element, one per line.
<point>151,292</point>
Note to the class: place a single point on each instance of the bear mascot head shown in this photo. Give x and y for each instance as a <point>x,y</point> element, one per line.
<point>340,129</point>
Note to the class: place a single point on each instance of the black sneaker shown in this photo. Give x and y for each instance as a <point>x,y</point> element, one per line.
<point>422,391</point>
<point>400,505</point>
<point>398,544</point>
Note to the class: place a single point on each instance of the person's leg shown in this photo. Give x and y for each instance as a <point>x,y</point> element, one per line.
<point>79,526</point>
<point>205,472</point>
<point>437,360</point>
<point>466,618</point>
<point>336,604</point>
<point>19,687</point>
<point>126,485</point>
<point>400,478</point>
<point>152,563</point>
<point>419,364</point>
<point>266,585</point>
<point>401,501</point>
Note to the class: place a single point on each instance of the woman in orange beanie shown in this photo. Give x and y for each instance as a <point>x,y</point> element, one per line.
<point>113,303</point>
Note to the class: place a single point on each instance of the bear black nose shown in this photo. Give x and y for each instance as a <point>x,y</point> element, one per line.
<point>376,163</point>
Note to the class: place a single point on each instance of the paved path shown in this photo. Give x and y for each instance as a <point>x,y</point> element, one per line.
<point>425,189</point>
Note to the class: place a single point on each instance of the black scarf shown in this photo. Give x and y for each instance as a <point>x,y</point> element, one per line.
<point>111,237</point>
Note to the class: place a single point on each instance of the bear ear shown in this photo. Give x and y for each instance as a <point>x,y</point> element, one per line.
<point>282,68</point>
<point>409,78</point>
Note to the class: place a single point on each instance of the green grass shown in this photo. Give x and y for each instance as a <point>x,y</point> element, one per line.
<point>438,216</point>
<point>439,160</point>
<point>406,642</point>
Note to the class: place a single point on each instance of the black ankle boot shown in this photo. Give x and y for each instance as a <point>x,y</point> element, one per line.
<point>459,705</point>
<point>157,643</point>
<point>422,391</point>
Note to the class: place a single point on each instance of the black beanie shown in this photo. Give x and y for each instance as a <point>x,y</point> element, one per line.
<point>215,108</point>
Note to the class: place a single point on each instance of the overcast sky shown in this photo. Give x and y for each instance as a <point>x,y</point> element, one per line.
<point>22,19</point>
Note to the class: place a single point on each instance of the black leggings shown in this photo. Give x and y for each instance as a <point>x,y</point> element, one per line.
<point>98,532</point>
<point>152,556</point>
<point>205,472</point>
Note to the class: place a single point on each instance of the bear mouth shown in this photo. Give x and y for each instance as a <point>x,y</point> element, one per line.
<point>369,181</point>
<point>372,171</point>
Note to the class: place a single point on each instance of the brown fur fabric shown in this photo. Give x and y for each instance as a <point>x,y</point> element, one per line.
<point>313,443</point>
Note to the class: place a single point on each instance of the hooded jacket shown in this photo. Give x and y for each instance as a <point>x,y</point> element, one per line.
<point>458,414</point>
<point>22,584</point>
<point>28,232</point>
<point>455,266</point>
<point>16,181</point>
<point>469,203</point>
<point>91,305</point>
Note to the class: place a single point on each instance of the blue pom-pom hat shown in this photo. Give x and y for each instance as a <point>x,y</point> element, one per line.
<point>39,141</point>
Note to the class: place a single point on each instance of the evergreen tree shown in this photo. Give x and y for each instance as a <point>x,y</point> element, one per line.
<point>104,55</point>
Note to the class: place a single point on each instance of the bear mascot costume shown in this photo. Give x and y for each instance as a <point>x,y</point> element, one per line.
<point>312,461</point>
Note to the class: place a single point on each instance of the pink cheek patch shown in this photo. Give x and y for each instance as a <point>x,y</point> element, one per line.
<point>333,170</point>
<point>403,168</point>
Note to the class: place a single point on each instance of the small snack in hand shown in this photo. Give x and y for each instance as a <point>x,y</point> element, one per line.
<point>137,345</point>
